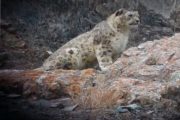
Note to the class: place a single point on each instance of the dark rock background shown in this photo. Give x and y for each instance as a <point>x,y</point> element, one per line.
<point>45,25</point>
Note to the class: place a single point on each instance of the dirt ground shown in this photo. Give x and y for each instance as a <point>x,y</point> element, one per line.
<point>22,109</point>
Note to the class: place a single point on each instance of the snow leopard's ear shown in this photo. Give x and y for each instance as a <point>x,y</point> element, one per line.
<point>119,12</point>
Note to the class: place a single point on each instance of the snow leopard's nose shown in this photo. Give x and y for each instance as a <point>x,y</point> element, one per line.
<point>137,21</point>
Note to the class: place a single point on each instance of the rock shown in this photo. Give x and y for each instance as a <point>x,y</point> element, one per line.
<point>150,112</point>
<point>133,106</point>
<point>70,108</point>
<point>175,76</point>
<point>164,7</point>
<point>61,103</point>
<point>41,103</point>
<point>122,109</point>
<point>175,16</point>
<point>48,84</point>
<point>13,96</point>
<point>143,74</point>
<point>49,52</point>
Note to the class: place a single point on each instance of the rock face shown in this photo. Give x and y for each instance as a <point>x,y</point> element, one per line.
<point>176,17</point>
<point>14,51</point>
<point>146,73</point>
<point>46,25</point>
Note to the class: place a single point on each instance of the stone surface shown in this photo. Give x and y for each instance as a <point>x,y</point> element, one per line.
<point>142,73</point>
<point>147,75</point>
<point>175,16</point>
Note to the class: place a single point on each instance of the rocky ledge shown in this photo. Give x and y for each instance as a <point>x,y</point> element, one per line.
<point>145,74</point>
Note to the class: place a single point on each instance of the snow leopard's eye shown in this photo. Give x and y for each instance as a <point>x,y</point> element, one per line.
<point>130,15</point>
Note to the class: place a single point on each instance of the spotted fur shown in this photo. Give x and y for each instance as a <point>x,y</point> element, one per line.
<point>102,45</point>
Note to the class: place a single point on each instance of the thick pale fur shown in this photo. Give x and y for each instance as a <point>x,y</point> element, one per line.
<point>103,44</point>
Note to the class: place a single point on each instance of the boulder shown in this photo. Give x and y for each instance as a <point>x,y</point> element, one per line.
<point>145,74</point>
